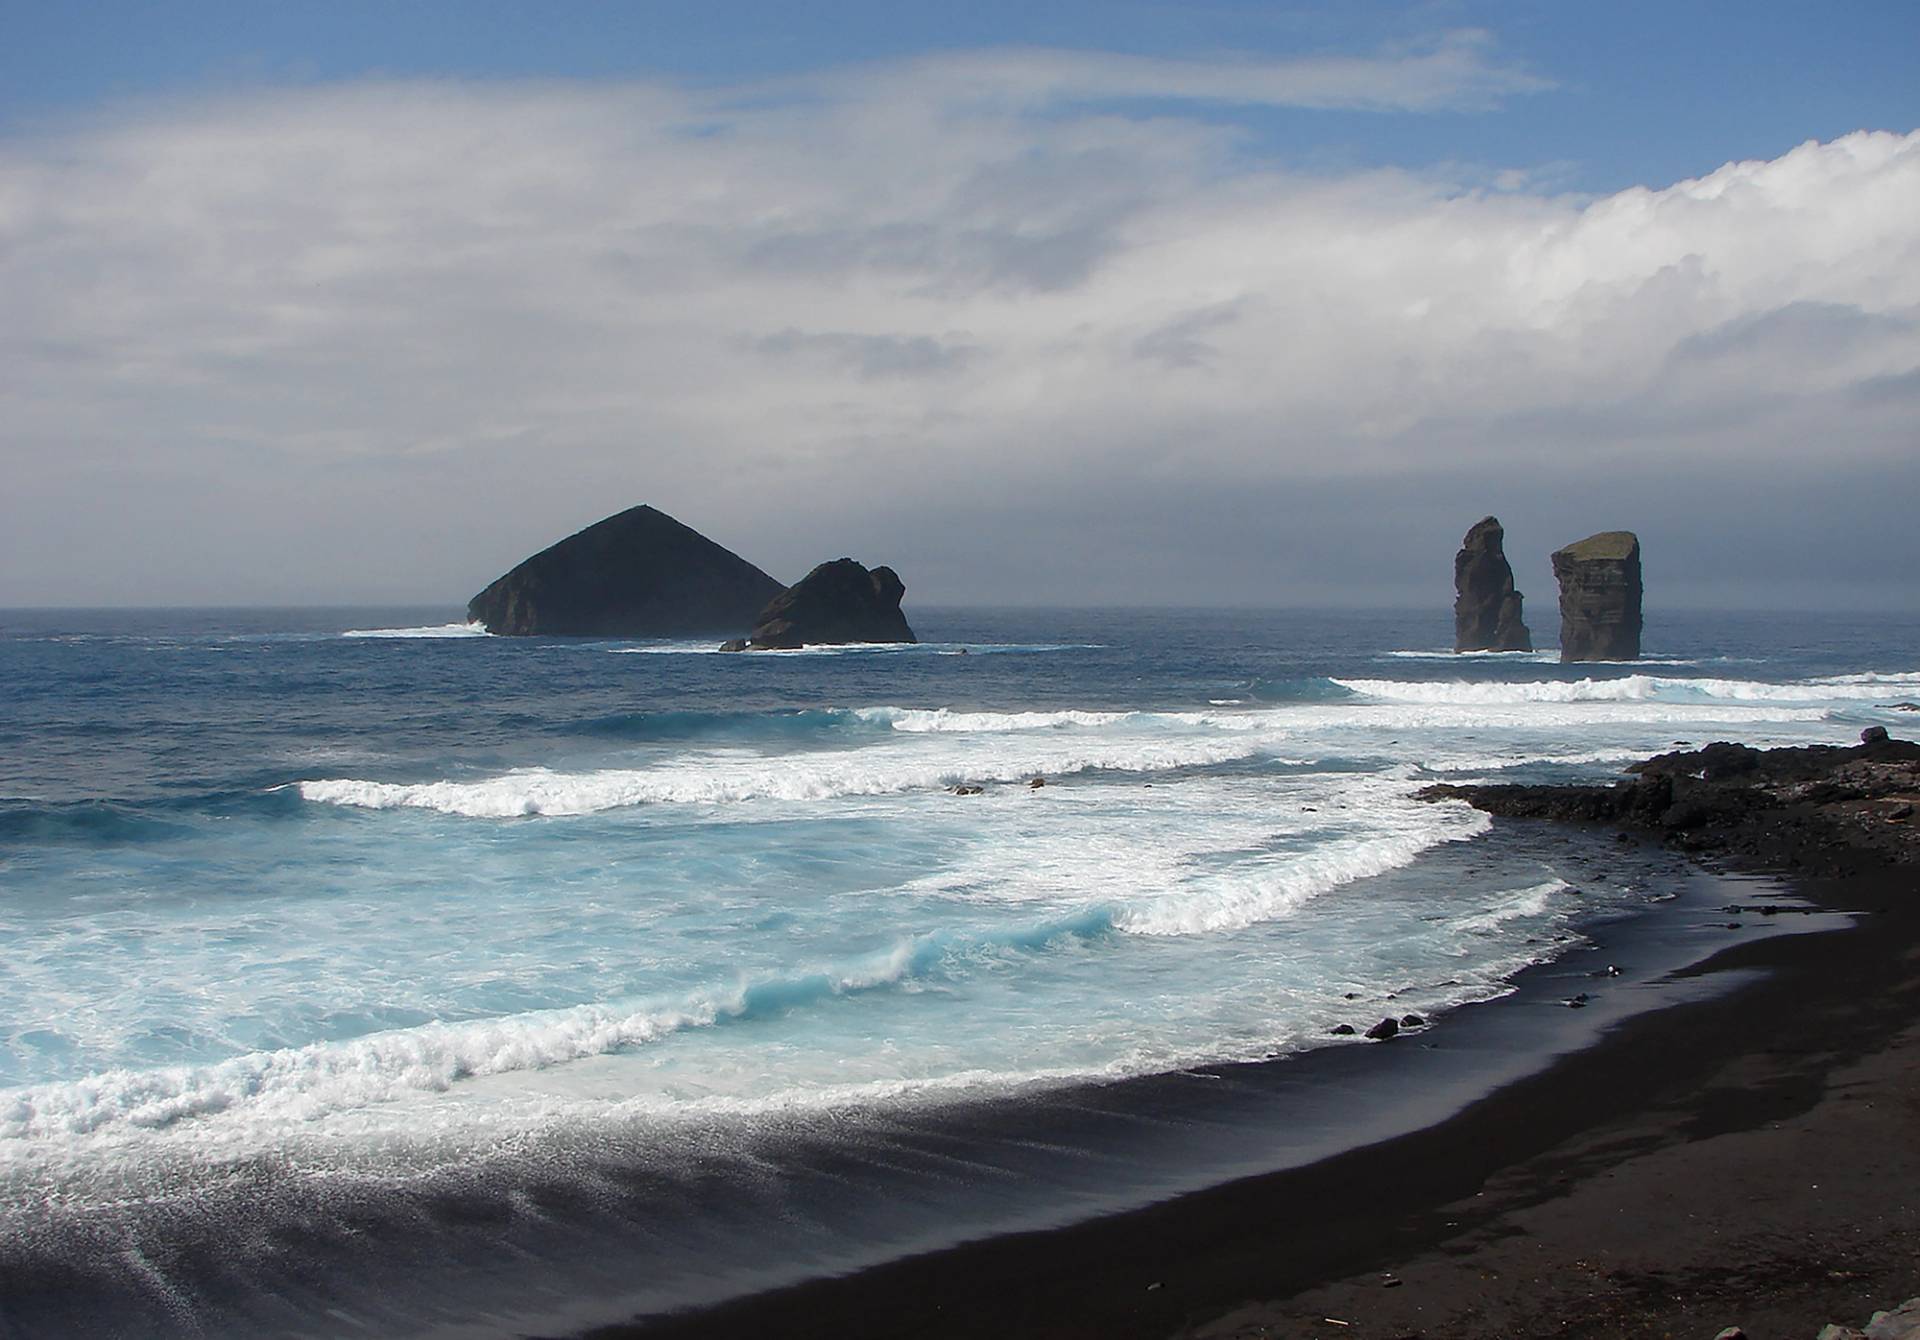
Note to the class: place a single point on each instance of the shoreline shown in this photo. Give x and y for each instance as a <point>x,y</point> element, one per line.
<point>1414,1235</point>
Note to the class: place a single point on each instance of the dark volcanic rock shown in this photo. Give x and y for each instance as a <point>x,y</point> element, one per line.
<point>1600,597</point>
<point>1815,808</point>
<point>1486,608</point>
<point>839,601</point>
<point>1384,1031</point>
<point>636,574</point>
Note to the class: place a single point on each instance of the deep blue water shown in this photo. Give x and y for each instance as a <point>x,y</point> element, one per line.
<point>292,901</point>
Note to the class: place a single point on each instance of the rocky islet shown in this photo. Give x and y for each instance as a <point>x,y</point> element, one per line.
<point>1600,594</point>
<point>1486,608</point>
<point>638,573</point>
<point>839,602</point>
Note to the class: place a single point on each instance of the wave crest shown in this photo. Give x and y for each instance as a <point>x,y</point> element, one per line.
<point>304,1083</point>
<point>1628,688</point>
<point>1289,882</point>
<point>443,630</point>
<point>720,779</point>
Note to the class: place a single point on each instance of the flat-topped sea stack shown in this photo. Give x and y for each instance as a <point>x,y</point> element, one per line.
<point>639,573</point>
<point>838,602</point>
<point>1600,597</point>
<point>1486,608</point>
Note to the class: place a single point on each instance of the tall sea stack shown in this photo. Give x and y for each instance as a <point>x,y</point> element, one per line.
<point>1486,608</point>
<point>1600,597</point>
<point>639,573</point>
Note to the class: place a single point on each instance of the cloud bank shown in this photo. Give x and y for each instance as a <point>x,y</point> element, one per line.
<point>1026,325</point>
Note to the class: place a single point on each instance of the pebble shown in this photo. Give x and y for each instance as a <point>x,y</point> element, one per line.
<point>1902,1323</point>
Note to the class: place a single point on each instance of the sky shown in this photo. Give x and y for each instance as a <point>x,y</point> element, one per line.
<point>1121,303</point>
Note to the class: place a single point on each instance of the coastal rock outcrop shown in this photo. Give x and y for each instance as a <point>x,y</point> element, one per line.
<point>838,602</point>
<point>1818,809</point>
<point>1486,608</point>
<point>638,573</point>
<point>1600,597</point>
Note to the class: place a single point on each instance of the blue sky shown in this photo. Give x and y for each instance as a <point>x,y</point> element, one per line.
<point>1640,90</point>
<point>1211,303</point>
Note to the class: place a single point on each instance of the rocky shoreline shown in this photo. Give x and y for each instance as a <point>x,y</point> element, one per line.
<point>1821,810</point>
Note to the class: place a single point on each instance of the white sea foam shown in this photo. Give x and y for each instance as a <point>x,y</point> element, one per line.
<point>863,649</point>
<point>941,719</point>
<point>1425,706</point>
<point>1370,718</point>
<point>669,649</point>
<point>1399,831</point>
<point>719,778</point>
<point>307,1083</point>
<point>1508,657</point>
<point>1628,688</point>
<point>444,630</point>
<point>1437,761</point>
<point>1532,901</point>
<point>934,720</point>
<point>1543,656</point>
<point>935,748</point>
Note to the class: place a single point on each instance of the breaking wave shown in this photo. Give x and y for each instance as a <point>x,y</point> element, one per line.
<point>444,630</point>
<point>1283,884</point>
<point>1628,688</point>
<point>708,648</point>
<point>936,720</point>
<point>720,778</point>
<point>302,1084</point>
<point>1532,901</point>
<point>1306,689</point>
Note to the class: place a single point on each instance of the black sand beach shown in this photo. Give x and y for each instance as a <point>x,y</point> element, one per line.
<point>1743,1158</point>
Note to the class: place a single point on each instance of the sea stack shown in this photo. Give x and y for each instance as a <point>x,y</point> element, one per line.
<point>1486,608</point>
<point>1600,597</point>
<point>639,573</point>
<point>837,602</point>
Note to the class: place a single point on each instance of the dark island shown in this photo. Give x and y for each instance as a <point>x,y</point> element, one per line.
<point>639,573</point>
<point>837,603</point>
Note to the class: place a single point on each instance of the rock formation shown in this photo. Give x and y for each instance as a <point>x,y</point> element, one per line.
<point>1600,597</point>
<point>1486,608</point>
<point>636,574</point>
<point>839,601</point>
<point>1816,809</point>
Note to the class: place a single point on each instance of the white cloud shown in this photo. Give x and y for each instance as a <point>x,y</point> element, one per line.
<point>396,335</point>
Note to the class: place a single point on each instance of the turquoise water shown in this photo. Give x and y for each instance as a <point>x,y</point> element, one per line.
<point>364,896</point>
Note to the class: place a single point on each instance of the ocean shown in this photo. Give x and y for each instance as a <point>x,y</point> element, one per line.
<point>362,973</point>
